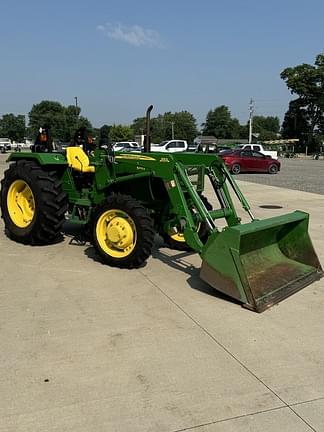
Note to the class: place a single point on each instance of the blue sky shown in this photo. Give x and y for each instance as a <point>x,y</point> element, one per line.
<point>120,56</point>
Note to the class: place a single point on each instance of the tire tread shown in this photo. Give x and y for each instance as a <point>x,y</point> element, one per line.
<point>50,198</point>
<point>144,226</point>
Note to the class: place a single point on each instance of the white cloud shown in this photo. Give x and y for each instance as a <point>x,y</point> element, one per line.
<point>134,35</point>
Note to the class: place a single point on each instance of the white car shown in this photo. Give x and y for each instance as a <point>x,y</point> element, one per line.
<point>170,146</point>
<point>126,146</point>
<point>5,144</point>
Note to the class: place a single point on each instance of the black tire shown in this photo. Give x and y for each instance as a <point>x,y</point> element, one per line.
<point>49,204</point>
<point>136,217</point>
<point>273,169</point>
<point>204,228</point>
<point>236,168</point>
<point>203,232</point>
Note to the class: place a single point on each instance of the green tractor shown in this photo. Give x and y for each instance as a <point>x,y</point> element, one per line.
<point>121,200</point>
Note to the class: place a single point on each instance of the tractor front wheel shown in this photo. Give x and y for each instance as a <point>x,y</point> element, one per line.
<point>177,241</point>
<point>123,232</point>
<point>33,204</point>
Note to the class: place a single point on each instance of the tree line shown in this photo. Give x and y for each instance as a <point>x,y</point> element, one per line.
<point>64,121</point>
<point>304,118</point>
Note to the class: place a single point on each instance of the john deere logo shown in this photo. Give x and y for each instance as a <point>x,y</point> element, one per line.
<point>164,159</point>
<point>134,157</point>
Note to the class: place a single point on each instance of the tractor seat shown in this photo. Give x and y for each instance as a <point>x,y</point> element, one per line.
<point>78,160</point>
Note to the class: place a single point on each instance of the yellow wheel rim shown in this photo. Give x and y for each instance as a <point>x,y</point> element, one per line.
<point>116,233</point>
<point>21,203</point>
<point>179,236</point>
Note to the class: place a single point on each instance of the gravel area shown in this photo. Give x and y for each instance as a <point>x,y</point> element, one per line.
<point>300,174</point>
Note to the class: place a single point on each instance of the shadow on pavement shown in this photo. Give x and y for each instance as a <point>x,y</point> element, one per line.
<point>174,259</point>
<point>178,262</point>
<point>76,233</point>
<point>91,252</point>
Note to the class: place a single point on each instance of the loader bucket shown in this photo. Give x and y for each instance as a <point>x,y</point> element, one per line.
<point>262,262</point>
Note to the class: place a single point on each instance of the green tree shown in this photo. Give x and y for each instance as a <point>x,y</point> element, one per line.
<point>83,121</point>
<point>270,124</point>
<point>161,126</point>
<point>185,126</point>
<point>182,123</point>
<point>63,121</point>
<point>220,124</point>
<point>307,82</point>
<point>138,126</point>
<point>295,123</point>
<point>120,133</point>
<point>48,114</point>
<point>71,114</point>
<point>158,127</point>
<point>104,135</point>
<point>13,127</point>
<point>244,131</point>
<point>267,127</point>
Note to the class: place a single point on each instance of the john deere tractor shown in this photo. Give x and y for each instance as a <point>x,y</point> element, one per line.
<point>122,199</point>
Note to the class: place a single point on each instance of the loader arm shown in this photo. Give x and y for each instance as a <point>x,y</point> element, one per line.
<point>259,263</point>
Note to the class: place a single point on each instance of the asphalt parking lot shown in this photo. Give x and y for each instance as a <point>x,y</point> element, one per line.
<point>86,347</point>
<point>299,174</point>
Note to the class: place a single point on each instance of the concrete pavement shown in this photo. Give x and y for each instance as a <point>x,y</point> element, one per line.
<point>85,347</point>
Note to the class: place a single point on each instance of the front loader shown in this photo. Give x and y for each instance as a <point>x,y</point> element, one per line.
<point>122,199</point>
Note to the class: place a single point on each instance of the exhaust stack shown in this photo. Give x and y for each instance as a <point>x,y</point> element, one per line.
<point>147,141</point>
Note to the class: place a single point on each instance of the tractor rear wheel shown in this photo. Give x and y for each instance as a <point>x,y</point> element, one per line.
<point>33,204</point>
<point>123,232</point>
<point>177,241</point>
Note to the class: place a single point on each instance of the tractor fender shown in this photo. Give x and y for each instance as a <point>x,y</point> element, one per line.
<point>40,158</point>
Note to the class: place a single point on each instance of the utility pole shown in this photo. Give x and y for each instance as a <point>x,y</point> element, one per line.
<point>172,129</point>
<point>251,120</point>
<point>76,112</point>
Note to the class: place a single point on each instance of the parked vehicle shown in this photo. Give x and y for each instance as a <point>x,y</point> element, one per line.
<point>5,145</point>
<point>17,146</point>
<point>171,146</point>
<point>258,148</point>
<point>126,146</point>
<point>205,144</point>
<point>221,149</point>
<point>22,145</point>
<point>61,146</point>
<point>249,161</point>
